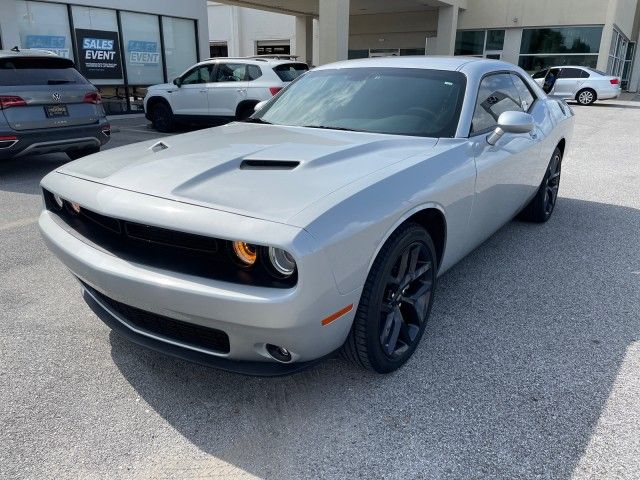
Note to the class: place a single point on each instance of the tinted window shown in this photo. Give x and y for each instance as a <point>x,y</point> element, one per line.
<point>570,73</point>
<point>541,74</point>
<point>231,72</point>
<point>470,42</point>
<point>561,40</point>
<point>495,39</point>
<point>290,71</point>
<point>197,75</point>
<point>497,94</point>
<point>401,101</point>
<point>253,72</point>
<point>526,97</point>
<point>38,71</point>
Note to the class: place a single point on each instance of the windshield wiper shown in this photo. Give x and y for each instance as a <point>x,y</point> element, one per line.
<point>323,127</point>
<point>256,120</point>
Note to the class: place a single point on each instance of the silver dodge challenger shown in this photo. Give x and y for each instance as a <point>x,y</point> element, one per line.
<point>320,224</point>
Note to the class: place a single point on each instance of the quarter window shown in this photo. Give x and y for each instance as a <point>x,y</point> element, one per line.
<point>526,97</point>
<point>497,95</point>
<point>253,72</point>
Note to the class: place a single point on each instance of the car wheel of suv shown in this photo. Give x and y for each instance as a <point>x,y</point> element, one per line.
<point>75,154</point>
<point>396,302</point>
<point>586,96</point>
<point>162,118</point>
<point>541,207</point>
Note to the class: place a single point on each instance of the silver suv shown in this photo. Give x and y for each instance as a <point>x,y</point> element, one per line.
<point>47,106</point>
<point>220,89</point>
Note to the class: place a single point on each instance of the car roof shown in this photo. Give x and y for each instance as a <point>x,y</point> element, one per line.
<point>27,53</point>
<point>457,63</point>
<point>258,60</point>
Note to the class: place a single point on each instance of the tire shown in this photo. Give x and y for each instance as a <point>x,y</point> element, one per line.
<point>541,207</point>
<point>370,343</point>
<point>162,118</point>
<point>586,96</point>
<point>76,154</point>
<point>245,111</point>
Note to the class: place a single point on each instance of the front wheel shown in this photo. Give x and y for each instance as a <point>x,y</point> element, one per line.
<point>396,302</point>
<point>162,118</point>
<point>541,207</point>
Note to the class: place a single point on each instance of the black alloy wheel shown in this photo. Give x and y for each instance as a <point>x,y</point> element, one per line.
<point>395,303</point>
<point>541,207</point>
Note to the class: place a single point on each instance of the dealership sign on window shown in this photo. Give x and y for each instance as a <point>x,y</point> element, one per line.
<point>51,43</point>
<point>99,54</point>
<point>143,52</point>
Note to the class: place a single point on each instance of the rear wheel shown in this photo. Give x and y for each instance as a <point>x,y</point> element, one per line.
<point>75,154</point>
<point>162,118</point>
<point>396,302</point>
<point>541,207</point>
<point>586,96</point>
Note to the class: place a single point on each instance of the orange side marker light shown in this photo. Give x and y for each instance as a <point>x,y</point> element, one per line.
<point>337,315</point>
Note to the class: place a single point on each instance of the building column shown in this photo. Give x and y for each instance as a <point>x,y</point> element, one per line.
<point>303,47</point>
<point>447,28</point>
<point>334,31</point>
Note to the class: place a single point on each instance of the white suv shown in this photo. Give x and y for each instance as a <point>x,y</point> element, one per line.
<point>219,89</point>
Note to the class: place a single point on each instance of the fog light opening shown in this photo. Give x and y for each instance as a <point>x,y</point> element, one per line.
<point>280,354</point>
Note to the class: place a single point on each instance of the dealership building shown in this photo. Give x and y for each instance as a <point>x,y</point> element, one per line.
<point>533,34</point>
<point>120,46</point>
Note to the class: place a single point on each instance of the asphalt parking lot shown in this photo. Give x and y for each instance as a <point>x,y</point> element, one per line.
<point>530,367</point>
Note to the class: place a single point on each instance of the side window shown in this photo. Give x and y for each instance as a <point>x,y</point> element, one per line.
<point>253,72</point>
<point>231,72</point>
<point>526,97</point>
<point>570,73</point>
<point>497,94</point>
<point>201,74</point>
<point>584,74</point>
<point>540,74</point>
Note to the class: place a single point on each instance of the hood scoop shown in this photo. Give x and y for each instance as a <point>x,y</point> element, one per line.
<point>158,147</point>
<point>268,164</point>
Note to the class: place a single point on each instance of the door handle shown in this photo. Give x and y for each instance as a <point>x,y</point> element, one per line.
<point>203,91</point>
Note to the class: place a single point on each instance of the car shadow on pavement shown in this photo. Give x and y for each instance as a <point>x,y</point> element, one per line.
<point>525,340</point>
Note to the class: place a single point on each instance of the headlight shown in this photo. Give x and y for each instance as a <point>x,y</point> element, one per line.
<point>58,200</point>
<point>282,261</point>
<point>245,252</point>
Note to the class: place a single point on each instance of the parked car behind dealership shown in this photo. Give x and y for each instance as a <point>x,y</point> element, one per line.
<point>583,84</point>
<point>47,106</point>
<point>220,89</point>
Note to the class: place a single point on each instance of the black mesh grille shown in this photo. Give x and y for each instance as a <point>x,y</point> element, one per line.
<point>170,328</point>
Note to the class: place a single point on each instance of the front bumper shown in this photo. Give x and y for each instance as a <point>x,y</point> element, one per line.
<point>52,140</point>
<point>252,317</point>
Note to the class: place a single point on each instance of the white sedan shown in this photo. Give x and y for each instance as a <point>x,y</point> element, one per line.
<point>582,84</point>
<point>321,223</point>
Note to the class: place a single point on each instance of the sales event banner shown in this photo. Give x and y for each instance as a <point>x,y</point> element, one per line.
<point>143,52</point>
<point>99,54</point>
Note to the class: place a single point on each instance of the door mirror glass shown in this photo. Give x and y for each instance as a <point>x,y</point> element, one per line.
<point>511,122</point>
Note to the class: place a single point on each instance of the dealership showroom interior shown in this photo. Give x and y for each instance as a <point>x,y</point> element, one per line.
<point>299,239</point>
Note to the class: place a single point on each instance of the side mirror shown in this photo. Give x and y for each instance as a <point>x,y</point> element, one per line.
<point>260,106</point>
<point>177,82</point>
<point>511,122</point>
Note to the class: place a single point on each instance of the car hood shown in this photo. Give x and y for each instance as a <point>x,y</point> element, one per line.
<point>263,171</point>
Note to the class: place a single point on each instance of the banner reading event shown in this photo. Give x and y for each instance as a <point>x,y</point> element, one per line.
<point>99,54</point>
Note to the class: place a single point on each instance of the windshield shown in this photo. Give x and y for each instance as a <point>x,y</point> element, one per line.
<point>400,101</point>
<point>38,71</point>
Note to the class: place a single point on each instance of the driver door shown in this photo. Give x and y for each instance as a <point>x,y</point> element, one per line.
<point>191,98</point>
<point>504,179</point>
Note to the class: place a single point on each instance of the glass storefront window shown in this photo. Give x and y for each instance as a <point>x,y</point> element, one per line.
<point>561,40</point>
<point>535,63</point>
<point>495,39</point>
<point>470,42</point>
<point>179,45</point>
<point>141,38</point>
<point>44,26</point>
